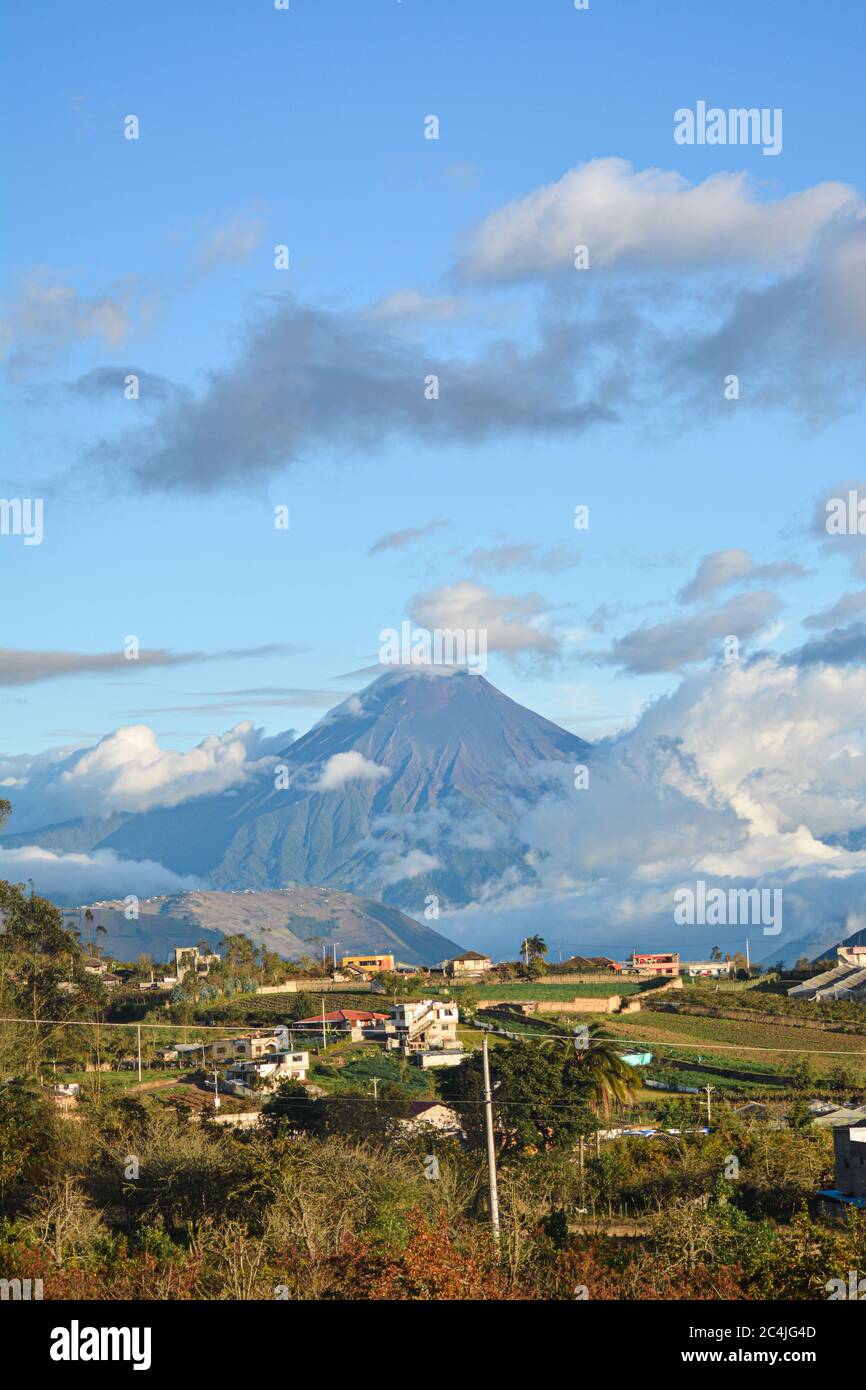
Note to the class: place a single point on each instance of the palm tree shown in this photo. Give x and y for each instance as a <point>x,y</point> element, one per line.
<point>533,947</point>
<point>597,1060</point>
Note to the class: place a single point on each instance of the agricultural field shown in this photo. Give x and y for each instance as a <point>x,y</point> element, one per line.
<point>738,1043</point>
<point>773,1001</point>
<point>264,1010</point>
<point>362,1067</point>
<point>543,991</point>
<point>696,1077</point>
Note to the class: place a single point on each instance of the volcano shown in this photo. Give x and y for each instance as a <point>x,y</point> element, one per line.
<point>408,792</point>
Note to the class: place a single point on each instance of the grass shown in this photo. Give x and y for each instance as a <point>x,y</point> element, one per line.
<point>112,1080</point>
<point>701,1033</point>
<point>250,1010</point>
<point>673,1078</point>
<point>543,991</point>
<point>357,1076</point>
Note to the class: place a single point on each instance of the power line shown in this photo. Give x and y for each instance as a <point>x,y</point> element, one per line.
<point>615,1039</point>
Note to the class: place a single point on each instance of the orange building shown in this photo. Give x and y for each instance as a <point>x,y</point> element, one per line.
<point>373,963</point>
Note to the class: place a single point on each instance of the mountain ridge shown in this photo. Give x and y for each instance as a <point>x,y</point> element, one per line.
<point>356,924</point>
<point>410,788</point>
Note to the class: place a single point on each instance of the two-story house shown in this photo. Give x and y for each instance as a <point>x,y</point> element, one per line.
<point>249,1077</point>
<point>262,1042</point>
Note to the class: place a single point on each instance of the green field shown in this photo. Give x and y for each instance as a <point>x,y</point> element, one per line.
<point>744,1043</point>
<point>542,991</point>
<point>362,1067</point>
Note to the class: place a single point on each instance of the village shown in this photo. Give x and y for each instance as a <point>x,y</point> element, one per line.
<point>436,1018</point>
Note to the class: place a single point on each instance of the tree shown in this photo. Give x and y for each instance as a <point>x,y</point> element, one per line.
<point>304,1005</point>
<point>841,1078</point>
<point>533,948</point>
<point>28,1138</point>
<point>144,968</point>
<point>37,956</point>
<point>800,1116</point>
<point>392,983</point>
<point>540,1099</point>
<point>802,1074</point>
<point>606,1076</point>
<point>468,1000</point>
<point>291,1110</point>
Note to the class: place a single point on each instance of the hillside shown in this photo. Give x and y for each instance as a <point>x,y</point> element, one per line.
<point>293,922</point>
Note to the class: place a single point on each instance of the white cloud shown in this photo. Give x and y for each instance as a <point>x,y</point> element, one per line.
<point>394,868</point>
<point>232,243</point>
<point>46,316</point>
<point>655,218</point>
<point>348,767</point>
<point>722,568</point>
<point>413,305</point>
<point>686,641</point>
<point>740,777</point>
<point>129,771</point>
<point>81,878</point>
<point>514,623</point>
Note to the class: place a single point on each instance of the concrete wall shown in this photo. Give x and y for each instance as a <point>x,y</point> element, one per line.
<point>602,977</point>
<point>241,1119</point>
<point>580,1004</point>
<point>317,987</point>
<point>588,1004</point>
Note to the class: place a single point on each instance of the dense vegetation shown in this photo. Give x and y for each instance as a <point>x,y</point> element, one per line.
<point>335,1202</point>
<point>339,1194</point>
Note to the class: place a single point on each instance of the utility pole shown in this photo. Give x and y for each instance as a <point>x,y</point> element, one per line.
<point>748,962</point>
<point>491,1155</point>
<point>324,1034</point>
<point>335,944</point>
<point>138,1031</point>
<point>376,1090</point>
<point>708,1090</point>
<point>216,1091</point>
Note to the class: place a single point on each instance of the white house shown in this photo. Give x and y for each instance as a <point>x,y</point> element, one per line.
<point>426,1024</point>
<point>244,1078</point>
<point>468,966</point>
<point>707,969</point>
<point>264,1042</point>
<point>439,1057</point>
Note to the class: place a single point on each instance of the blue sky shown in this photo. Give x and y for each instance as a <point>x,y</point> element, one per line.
<point>261,127</point>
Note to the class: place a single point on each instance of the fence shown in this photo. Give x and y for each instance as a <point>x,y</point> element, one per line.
<point>317,987</point>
